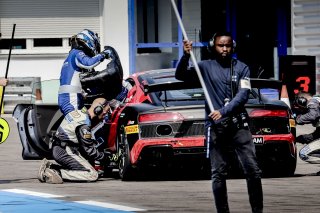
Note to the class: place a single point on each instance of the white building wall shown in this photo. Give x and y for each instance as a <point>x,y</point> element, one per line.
<point>114,32</point>
<point>115,29</point>
<point>47,67</point>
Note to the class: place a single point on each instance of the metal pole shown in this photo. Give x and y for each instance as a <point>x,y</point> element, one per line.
<point>8,62</point>
<point>192,57</point>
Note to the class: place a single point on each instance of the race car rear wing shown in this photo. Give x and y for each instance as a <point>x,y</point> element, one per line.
<point>265,83</point>
<point>178,85</point>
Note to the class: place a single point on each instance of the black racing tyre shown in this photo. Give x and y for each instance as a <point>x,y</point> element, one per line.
<point>290,169</point>
<point>125,167</point>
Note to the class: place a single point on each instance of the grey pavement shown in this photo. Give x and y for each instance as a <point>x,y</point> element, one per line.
<point>281,195</point>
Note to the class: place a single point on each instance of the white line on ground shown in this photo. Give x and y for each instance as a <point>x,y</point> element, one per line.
<point>39,194</point>
<point>110,205</point>
<point>87,202</point>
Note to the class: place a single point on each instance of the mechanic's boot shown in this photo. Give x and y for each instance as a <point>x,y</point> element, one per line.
<point>52,176</point>
<point>44,164</point>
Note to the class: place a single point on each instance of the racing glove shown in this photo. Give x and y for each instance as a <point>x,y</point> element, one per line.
<point>305,138</point>
<point>105,159</point>
<point>87,144</point>
<point>123,94</point>
<point>103,163</point>
<point>106,54</point>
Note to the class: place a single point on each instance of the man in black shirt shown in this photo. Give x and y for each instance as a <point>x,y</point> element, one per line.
<point>228,85</point>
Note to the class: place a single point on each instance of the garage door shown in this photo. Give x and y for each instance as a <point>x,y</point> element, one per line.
<point>47,18</point>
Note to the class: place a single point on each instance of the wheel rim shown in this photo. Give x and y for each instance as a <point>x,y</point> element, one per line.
<point>122,154</point>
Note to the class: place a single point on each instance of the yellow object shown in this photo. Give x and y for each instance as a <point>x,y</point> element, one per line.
<point>2,107</point>
<point>4,130</point>
<point>292,123</point>
<point>131,129</point>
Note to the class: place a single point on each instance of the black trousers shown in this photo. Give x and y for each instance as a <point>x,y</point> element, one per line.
<point>310,137</point>
<point>221,139</point>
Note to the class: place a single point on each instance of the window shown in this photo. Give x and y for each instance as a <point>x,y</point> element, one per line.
<point>17,44</point>
<point>36,45</point>
<point>44,27</point>
<point>47,42</point>
<point>147,24</point>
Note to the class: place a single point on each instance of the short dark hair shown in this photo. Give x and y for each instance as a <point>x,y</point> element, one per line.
<point>219,34</point>
<point>222,33</point>
<point>303,94</point>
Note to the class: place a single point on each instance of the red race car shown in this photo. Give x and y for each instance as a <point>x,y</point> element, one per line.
<point>160,124</point>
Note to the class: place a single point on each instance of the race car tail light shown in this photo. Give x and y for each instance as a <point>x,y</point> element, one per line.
<point>160,117</point>
<point>268,113</point>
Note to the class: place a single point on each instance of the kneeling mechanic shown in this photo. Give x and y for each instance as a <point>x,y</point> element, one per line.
<point>73,147</point>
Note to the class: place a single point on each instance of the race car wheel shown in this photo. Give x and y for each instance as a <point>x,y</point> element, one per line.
<point>125,167</point>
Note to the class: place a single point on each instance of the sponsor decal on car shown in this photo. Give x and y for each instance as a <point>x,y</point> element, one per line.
<point>131,129</point>
<point>258,140</point>
<point>292,123</point>
<point>130,122</point>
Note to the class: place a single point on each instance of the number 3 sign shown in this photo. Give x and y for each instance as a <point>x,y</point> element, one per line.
<point>298,72</point>
<point>304,82</point>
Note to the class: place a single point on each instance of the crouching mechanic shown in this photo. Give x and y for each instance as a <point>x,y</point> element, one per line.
<point>309,107</point>
<point>309,113</point>
<point>74,149</point>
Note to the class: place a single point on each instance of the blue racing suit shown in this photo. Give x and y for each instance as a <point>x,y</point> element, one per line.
<point>70,97</point>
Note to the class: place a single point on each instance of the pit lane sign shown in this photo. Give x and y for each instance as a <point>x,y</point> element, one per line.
<point>298,72</point>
